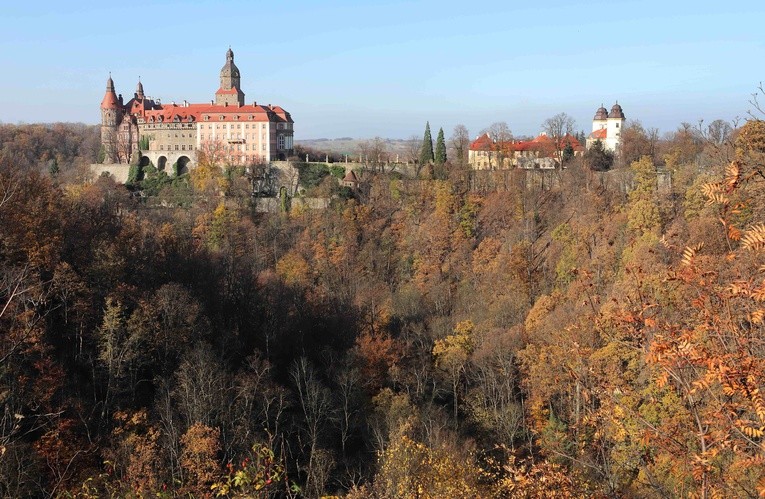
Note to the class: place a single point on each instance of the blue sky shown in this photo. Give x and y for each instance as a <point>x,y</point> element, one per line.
<point>361,69</point>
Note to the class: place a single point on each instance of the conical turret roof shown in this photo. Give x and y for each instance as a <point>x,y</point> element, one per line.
<point>110,100</point>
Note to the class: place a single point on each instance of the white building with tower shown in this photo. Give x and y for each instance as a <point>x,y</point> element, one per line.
<point>607,128</point>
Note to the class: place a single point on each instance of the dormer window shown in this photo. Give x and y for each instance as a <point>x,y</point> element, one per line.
<point>207,118</point>
<point>220,117</point>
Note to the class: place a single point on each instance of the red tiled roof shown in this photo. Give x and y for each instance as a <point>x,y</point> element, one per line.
<point>214,111</point>
<point>482,143</point>
<point>599,134</point>
<point>232,90</point>
<point>110,101</point>
<point>350,177</point>
<point>539,143</point>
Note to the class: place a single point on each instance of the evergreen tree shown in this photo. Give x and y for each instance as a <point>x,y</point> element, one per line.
<point>599,158</point>
<point>426,153</point>
<point>53,167</point>
<point>440,156</point>
<point>568,153</point>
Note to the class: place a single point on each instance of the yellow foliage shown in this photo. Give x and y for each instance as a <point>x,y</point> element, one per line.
<point>410,469</point>
<point>293,269</point>
<point>455,349</point>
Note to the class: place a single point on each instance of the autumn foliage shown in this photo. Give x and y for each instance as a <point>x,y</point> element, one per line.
<point>501,334</point>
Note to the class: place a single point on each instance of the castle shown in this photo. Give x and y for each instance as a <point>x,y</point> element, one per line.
<point>226,129</point>
<point>488,153</point>
<point>607,128</point>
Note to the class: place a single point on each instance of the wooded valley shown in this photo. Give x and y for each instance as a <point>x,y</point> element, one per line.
<point>586,338</point>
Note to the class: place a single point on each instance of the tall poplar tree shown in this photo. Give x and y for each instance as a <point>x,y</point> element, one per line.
<point>440,156</point>
<point>426,153</point>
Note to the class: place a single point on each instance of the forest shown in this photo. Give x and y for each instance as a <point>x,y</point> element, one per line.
<point>589,337</point>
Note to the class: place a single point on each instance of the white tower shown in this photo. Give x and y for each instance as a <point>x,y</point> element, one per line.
<point>600,120</point>
<point>614,125</point>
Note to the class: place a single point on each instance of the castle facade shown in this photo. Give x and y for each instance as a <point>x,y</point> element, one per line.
<point>488,153</point>
<point>226,129</point>
<point>607,128</point>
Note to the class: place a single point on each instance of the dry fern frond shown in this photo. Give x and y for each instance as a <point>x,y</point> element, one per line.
<point>757,316</point>
<point>689,254</point>
<point>732,175</point>
<point>714,193</point>
<point>754,238</point>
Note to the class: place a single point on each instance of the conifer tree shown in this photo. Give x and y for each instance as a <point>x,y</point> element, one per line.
<point>426,153</point>
<point>440,156</point>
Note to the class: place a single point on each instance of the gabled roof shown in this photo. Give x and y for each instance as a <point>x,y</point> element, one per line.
<point>541,142</point>
<point>350,177</point>
<point>599,134</point>
<point>482,143</point>
<point>197,112</point>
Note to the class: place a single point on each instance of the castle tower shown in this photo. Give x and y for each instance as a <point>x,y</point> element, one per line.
<point>600,120</point>
<point>139,90</point>
<point>111,115</point>
<point>614,125</point>
<point>229,93</point>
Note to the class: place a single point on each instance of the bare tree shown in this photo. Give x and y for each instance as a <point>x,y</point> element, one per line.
<point>460,143</point>
<point>556,129</point>
<point>503,139</point>
<point>413,146</point>
<point>374,154</point>
<point>117,145</point>
<point>315,404</point>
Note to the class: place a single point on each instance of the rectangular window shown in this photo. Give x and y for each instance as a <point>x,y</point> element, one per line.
<point>280,142</point>
<point>176,147</point>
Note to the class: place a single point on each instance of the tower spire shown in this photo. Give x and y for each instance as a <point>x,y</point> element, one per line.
<point>110,100</point>
<point>230,92</point>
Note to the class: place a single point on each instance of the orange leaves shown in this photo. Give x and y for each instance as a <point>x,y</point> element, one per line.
<point>752,432</point>
<point>754,238</point>
<point>757,316</point>
<point>201,445</point>
<point>377,353</point>
<point>714,192</point>
<point>689,254</point>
